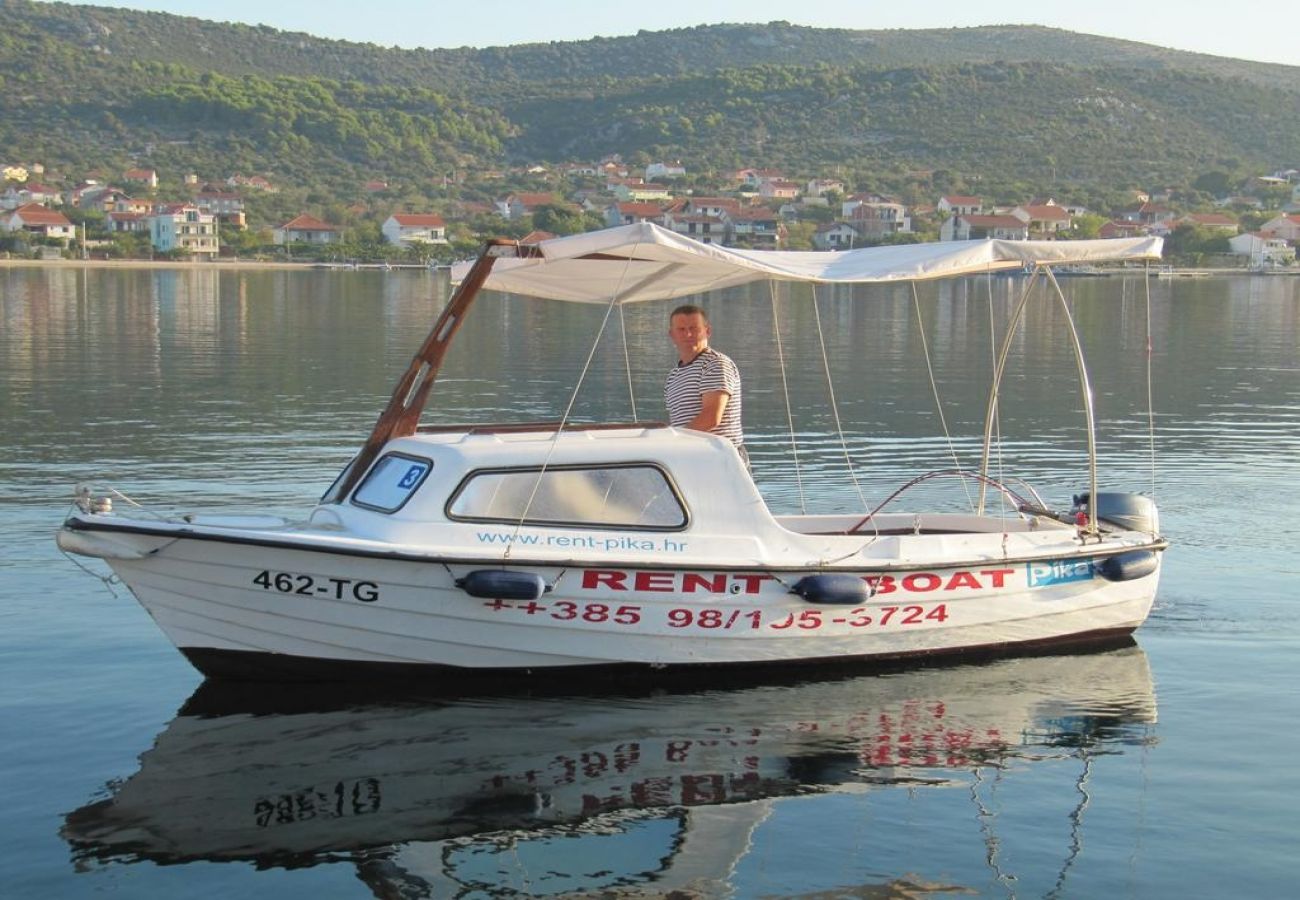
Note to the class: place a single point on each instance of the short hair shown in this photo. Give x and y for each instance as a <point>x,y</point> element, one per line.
<point>689,309</point>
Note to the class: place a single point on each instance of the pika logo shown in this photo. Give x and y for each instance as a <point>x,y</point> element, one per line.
<point>1058,571</point>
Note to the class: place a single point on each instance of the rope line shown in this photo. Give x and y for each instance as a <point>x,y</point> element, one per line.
<point>785,390</point>
<point>934,388</point>
<point>835,411</point>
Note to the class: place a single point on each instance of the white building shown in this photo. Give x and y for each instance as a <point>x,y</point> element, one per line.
<point>1262,250</point>
<point>407,229</point>
<point>664,170</point>
<point>183,226</point>
<point>971,228</point>
<point>40,221</point>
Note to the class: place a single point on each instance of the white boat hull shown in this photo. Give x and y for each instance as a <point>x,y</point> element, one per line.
<point>247,609</point>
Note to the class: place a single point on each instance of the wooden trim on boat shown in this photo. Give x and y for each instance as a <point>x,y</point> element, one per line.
<point>402,415</point>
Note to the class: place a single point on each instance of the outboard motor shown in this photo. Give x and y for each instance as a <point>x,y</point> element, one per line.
<point>1130,512</point>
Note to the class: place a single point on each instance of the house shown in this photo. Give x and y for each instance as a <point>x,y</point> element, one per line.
<point>1121,228</point>
<point>184,227</point>
<point>1149,213</point>
<point>255,182</point>
<point>820,187</point>
<point>227,207</point>
<point>1044,220</point>
<point>632,189</point>
<point>613,168</point>
<point>375,186</point>
<point>757,227</point>
<point>960,205</point>
<point>307,229</point>
<point>778,189</point>
<point>1238,201</point>
<point>704,228</point>
<point>880,218</point>
<point>753,178</point>
<point>1262,250</point>
<point>106,200</point>
<point>40,221</point>
<point>126,221</point>
<point>15,196</point>
<point>408,229</point>
<point>631,212</point>
<point>718,207</point>
<point>836,236</point>
<point>146,177</point>
<point>851,203</point>
<point>664,170</point>
<point>1213,221</point>
<point>1285,227</point>
<point>978,227</point>
<point>516,206</point>
<point>84,192</point>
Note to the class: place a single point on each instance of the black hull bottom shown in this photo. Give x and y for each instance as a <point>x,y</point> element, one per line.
<point>240,665</point>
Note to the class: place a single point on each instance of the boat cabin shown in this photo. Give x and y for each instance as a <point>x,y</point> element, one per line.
<point>643,490</point>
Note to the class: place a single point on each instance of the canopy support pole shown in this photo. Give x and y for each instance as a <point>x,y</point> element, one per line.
<point>990,414</point>
<point>1084,385</point>
<point>402,415</point>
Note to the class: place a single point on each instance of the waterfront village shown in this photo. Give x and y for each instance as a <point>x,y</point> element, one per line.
<point>1253,225</point>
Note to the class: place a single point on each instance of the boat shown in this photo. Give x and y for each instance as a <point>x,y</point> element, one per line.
<point>563,548</point>
<point>418,791</point>
<point>1171,272</point>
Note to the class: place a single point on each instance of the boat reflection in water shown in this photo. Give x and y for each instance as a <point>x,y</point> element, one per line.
<point>436,797</point>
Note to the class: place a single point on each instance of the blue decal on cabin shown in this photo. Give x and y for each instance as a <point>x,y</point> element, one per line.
<point>412,476</point>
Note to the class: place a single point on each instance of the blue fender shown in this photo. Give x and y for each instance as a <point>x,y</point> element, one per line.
<point>840,590</point>
<point>503,584</point>
<point>1127,566</point>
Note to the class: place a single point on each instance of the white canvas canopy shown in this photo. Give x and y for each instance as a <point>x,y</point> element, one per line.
<point>646,262</point>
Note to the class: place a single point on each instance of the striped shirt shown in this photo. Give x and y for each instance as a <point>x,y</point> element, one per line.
<point>687,383</point>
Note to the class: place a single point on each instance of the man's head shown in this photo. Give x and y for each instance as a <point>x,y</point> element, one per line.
<point>689,330</point>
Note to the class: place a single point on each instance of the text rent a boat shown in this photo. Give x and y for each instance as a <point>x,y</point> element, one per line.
<point>563,547</point>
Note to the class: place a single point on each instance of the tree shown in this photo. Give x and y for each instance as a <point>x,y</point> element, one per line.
<point>1086,225</point>
<point>799,235</point>
<point>1216,184</point>
<point>560,219</point>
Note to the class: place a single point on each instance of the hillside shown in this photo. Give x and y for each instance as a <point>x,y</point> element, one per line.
<point>235,49</point>
<point>1029,108</point>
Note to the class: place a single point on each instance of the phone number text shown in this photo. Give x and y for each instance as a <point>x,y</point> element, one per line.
<point>734,619</point>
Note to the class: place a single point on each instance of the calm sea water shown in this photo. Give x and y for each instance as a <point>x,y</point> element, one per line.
<point>1162,769</point>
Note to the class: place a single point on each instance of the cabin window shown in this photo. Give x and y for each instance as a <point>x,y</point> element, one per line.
<point>632,496</point>
<point>391,482</point>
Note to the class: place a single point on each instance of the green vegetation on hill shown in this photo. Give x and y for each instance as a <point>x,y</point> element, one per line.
<point>1005,111</point>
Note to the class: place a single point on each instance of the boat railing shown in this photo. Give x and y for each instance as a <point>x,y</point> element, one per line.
<point>522,427</point>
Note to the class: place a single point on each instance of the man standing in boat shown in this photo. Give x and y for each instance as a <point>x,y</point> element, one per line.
<point>702,392</point>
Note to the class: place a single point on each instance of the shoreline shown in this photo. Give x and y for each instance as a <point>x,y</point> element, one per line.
<point>246,264</point>
<point>253,265</point>
<point>154,264</point>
